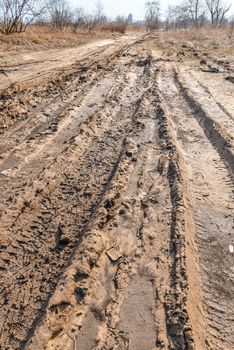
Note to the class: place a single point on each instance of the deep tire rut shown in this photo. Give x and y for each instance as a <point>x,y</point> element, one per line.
<point>207,171</point>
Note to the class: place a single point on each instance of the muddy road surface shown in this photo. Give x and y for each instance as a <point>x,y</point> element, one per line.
<point>116,177</point>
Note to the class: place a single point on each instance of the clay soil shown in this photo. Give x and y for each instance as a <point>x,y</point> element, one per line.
<point>116,206</point>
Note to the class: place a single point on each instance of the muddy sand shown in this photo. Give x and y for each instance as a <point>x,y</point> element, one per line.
<point>116,177</point>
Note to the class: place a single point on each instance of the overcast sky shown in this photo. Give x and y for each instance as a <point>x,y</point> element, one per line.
<point>112,8</point>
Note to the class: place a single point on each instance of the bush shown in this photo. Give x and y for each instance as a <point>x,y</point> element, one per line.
<point>114,27</point>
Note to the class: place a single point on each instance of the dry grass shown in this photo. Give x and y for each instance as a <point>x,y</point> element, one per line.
<point>39,38</point>
<point>43,37</point>
<point>215,41</point>
<point>194,45</point>
<point>113,28</point>
<point>215,35</point>
<point>137,28</point>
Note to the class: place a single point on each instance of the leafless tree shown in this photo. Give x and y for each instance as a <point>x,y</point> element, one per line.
<point>217,9</point>
<point>119,25</point>
<point>177,17</point>
<point>60,14</point>
<point>89,22</point>
<point>16,15</point>
<point>99,13</point>
<point>121,19</point>
<point>78,18</point>
<point>152,14</point>
<point>194,8</point>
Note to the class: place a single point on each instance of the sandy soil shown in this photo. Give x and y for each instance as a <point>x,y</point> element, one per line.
<point>116,177</point>
<point>30,65</point>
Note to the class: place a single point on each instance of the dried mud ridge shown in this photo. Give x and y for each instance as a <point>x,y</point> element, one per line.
<point>112,227</point>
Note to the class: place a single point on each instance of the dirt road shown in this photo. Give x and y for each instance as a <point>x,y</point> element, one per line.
<point>117,204</point>
<point>23,67</point>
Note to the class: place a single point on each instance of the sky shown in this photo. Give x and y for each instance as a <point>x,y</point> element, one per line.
<point>112,8</point>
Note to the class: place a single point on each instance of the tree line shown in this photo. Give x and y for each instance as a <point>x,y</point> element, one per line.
<point>17,15</point>
<point>189,13</point>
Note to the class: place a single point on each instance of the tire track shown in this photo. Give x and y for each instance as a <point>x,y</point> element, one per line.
<point>113,232</point>
<point>217,128</point>
<point>48,139</point>
<point>63,91</point>
<point>144,209</point>
<point>213,211</point>
<point>48,219</point>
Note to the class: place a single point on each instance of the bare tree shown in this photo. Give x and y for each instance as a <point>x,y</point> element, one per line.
<point>152,14</point>
<point>99,14</point>
<point>177,17</point>
<point>121,19</point>
<point>78,18</point>
<point>60,14</point>
<point>120,24</point>
<point>16,15</point>
<point>194,8</point>
<point>217,9</point>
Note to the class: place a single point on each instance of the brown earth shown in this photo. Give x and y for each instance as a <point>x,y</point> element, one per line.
<point>116,177</point>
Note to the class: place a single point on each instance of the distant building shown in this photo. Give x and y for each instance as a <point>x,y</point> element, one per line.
<point>130,18</point>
